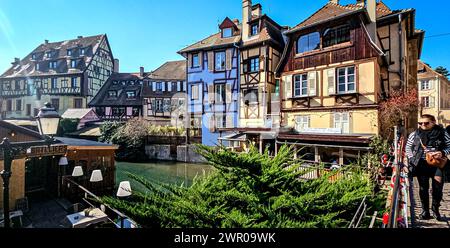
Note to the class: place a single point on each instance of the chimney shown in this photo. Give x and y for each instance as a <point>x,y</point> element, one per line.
<point>246,17</point>
<point>257,10</point>
<point>16,61</point>
<point>334,1</point>
<point>80,37</point>
<point>141,71</point>
<point>371,6</point>
<point>46,42</point>
<point>116,65</point>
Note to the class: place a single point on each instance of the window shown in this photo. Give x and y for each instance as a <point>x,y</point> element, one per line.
<point>49,54</point>
<point>159,105</point>
<point>255,30</point>
<point>220,61</point>
<point>252,65</point>
<point>167,107</point>
<point>74,82</point>
<point>6,86</point>
<point>220,93</point>
<point>52,65</point>
<point>428,102</point>
<point>69,52</point>
<point>36,66</point>
<point>220,121</point>
<point>28,110</point>
<point>78,103</point>
<point>55,103</point>
<point>179,86</point>
<point>251,96</point>
<point>112,93</point>
<point>342,121</point>
<point>337,35</point>
<point>82,51</point>
<point>73,63</point>
<point>346,80</point>
<point>131,94</point>
<point>136,111</point>
<point>308,42</point>
<point>227,32</point>
<point>118,111</point>
<point>195,60</point>
<point>194,91</point>
<point>301,85</point>
<point>9,105</point>
<point>302,122</point>
<point>425,85</point>
<point>64,83</point>
<point>17,85</point>
<point>33,56</point>
<point>18,105</point>
<point>174,86</point>
<point>159,86</point>
<point>54,83</point>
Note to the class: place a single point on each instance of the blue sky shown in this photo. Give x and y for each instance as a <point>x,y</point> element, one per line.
<point>149,32</point>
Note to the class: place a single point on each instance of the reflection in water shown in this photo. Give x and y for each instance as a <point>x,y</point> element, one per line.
<point>161,172</point>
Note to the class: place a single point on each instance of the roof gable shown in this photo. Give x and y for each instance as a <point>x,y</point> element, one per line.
<point>228,23</point>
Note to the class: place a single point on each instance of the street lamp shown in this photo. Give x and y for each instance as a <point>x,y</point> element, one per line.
<point>48,121</point>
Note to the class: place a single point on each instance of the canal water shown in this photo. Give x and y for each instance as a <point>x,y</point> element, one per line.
<point>161,172</point>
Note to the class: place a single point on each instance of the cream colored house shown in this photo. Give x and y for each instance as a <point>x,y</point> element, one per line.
<point>434,94</point>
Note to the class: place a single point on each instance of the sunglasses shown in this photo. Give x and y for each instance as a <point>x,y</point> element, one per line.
<point>423,123</point>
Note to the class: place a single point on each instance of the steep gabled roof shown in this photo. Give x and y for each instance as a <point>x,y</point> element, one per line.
<point>26,66</point>
<point>425,72</point>
<point>271,31</point>
<point>121,83</point>
<point>172,70</point>
<point>214,41</point>
<point>76,113</point>
<point>332,11</point>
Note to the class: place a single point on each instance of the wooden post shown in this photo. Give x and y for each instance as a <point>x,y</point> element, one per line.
<point>341,156</point>
<point>260,145</point>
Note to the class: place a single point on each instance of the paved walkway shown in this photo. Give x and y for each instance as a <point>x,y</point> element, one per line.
<point>416,208</point>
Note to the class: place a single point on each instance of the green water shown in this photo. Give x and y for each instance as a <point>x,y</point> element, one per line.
<point>162,172</point>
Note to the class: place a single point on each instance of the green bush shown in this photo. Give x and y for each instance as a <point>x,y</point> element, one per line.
<point>251,190</point>
<point>67,126</point>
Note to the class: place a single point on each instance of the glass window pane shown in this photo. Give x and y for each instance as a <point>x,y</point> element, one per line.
<point>351,87</point>
<point>351,79</point>
<point>342,88</point>
<point>341,72</point>
<point>351,70</point>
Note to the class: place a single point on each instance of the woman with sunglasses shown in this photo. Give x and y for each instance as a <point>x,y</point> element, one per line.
<point>436,140</point>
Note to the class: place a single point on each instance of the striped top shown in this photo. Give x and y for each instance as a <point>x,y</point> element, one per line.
<point>409,152</point>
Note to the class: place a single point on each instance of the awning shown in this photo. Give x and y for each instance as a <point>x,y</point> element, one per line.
<point>235,137</point>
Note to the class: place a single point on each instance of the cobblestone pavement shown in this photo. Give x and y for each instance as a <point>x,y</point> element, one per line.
<point>416,208</point>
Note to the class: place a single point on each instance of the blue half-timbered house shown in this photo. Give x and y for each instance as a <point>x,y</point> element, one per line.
<point>213,81</point>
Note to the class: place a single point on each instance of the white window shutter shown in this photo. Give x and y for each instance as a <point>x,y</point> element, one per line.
<point>184,85</point>
<point>312,83</point>
<point>154,86</point>
<point>331,75</point>
<point>431,84</point>
<point>229,59</point>
<point>211,93</point>
<point>211,61</point>
<point>169,86</point>
<point>178,86</point>
<point>228,93</point>
<point>431,101</point>
<point>163,86</point>
<point>288,87</point>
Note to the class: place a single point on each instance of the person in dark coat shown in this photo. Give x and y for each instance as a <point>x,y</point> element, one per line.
<point>437,141</point>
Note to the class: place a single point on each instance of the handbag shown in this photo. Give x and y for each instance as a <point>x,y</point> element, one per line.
<point>432,160</point>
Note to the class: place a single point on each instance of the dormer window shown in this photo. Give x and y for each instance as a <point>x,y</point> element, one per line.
<point>336,35</point>
<point>52,65</point>
<point>34,56</point>
<point>227,32</point>
<point>49,54</point>
<point>254,30</point>
<point>112,93</point>
<point>82,51</point>
<point>131,94</point>
<point>69,52</point>
<point>36,67</point>
<point>73,63</point>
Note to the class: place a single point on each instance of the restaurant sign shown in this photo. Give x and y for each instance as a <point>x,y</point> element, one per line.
<point>45,151</point>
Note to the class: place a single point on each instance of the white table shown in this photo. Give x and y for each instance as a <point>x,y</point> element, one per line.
<point>79,220</point>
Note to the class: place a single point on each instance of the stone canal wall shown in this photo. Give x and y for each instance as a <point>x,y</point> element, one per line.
<point>174,153</point>
<point>189,154</point>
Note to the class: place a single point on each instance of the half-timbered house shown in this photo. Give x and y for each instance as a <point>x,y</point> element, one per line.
<point>120,98</point>
<point>164,94</point>
<point>213,81</point>
<point>68,74</point>
<point>338,64</point>
<point>260,53</point>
